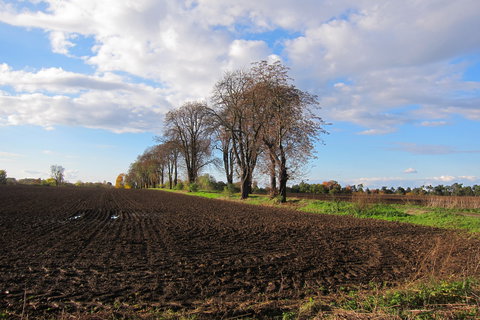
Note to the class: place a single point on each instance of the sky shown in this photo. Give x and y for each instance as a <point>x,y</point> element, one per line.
<point>85,83</point>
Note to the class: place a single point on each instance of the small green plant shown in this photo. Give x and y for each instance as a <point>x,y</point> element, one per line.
<point>289,315</point>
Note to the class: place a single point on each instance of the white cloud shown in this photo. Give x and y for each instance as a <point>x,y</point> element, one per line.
<point>60,42</point>
<point>53,96</point>
<point>379,56</point>
<point>410,170</point>
<point>433,123</point>
<point>9,156</point>
<point>57,80</point>
<point>449,179</point>
<point>242,52</point>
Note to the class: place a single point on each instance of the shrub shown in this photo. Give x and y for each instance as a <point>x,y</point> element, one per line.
<point>179,186</point>
<point>3,177</point>
<point>220,185</point>
<point>193,187</point>
<point>206,182</point>
<point>230,189</point>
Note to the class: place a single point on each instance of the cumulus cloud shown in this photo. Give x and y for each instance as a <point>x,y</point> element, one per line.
<point>53,96</point>
<point>362,58</point>
<point>60,42</point>
<point>410,170</point>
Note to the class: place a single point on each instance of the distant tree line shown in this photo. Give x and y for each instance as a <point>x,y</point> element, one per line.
<point>56,179</point>
<point>257,120</point>
<point>333,187</point>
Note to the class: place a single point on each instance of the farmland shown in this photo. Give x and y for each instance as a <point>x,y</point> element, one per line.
<point>78,250</point>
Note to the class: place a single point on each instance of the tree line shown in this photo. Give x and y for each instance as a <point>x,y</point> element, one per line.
<point>257,119</point>
<point>57,178</point>
<point>333,187</point>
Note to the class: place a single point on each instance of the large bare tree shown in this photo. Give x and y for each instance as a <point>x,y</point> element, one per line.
<point>264,114</point>
<point>190,127</point>
<point>239,110</point>
<point>291,126</point>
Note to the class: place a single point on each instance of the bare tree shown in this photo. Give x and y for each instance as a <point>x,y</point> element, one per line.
<point>239,111</point>
<point>291,126</point>
<point>190,127</point>
<point>171,152</point>
<point>57,173</point>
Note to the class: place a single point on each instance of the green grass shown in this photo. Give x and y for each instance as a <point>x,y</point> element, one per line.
<point>434,217</point>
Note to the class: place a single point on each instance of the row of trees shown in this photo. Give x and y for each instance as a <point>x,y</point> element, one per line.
<point>157,166</point>
<point>256,119</point>
<point>57,177</point>
<point>333,187</point>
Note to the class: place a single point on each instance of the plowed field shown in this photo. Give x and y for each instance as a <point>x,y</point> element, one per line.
<point>76,249</point>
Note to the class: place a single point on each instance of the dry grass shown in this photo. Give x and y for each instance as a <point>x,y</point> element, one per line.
<point>450,202</point>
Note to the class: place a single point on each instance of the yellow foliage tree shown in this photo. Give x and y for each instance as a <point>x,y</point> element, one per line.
<point>120,182</point>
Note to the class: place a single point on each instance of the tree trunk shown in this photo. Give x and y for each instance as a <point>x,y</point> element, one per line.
<point>191,176</point>
<point>175,178</point>
<point>228,165</point>
<point>273,176</point>
<point>283,176</point>
<point>246,184</point>
<point>230,176</point>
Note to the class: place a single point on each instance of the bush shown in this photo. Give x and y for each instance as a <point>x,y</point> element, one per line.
<point>206,182</point>
<point>230,189</point>
<point>193,187</point>
<point>3,177</point>
<point>179,186</point>
<point>220,185</point>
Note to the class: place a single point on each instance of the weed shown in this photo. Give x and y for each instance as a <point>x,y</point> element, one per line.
<point>289,315</point>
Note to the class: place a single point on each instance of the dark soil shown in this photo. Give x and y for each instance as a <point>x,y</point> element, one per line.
<point>77,250</point>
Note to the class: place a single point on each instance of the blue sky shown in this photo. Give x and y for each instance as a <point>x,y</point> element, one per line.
<point>85,84</point>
